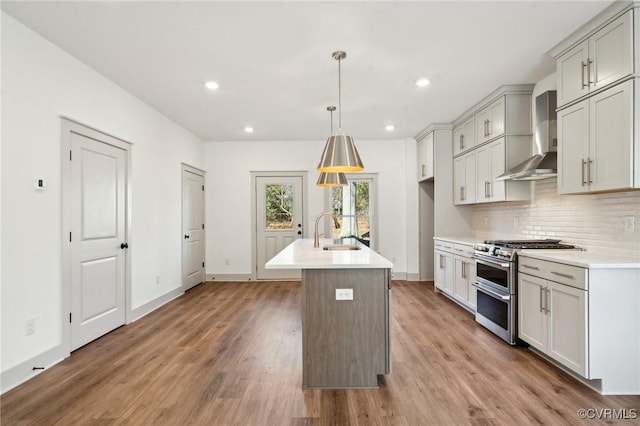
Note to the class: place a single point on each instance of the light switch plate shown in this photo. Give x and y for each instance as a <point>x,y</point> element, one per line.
<point>344,294</point>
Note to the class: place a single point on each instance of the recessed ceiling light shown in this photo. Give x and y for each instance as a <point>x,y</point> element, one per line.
<point>389,127</point>
<point>423,82</point>
<point>248,129</point>
<point>211,85</point>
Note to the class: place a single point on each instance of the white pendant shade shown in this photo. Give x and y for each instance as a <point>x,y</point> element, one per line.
<point>340,155</point>
<point>331,179</point>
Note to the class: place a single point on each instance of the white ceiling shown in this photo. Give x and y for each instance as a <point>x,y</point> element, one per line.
<point>273,59</point>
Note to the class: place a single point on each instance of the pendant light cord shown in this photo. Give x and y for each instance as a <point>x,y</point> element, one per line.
<point>339,96</point>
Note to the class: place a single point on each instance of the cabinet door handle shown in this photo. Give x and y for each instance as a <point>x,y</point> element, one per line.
<point>583,65</point>
<point>535,268</point>
<point>571,277</point>
<point>488,127</point>
<point>542,299</point>
<point>422,170</point>
<point>488,189</point>
<point>589,82</point>
<point>589,163</point>
<point>461,141</point>
<point>584,162</point>
<point>462,193</point>
<point>547,293</point>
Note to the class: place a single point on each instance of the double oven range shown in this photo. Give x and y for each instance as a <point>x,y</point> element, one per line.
<point>496,282</point>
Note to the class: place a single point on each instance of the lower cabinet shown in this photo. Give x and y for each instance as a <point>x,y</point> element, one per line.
<point>444,271</point>
<point>464,277</point>
<point>586,319</point>
<point>552,318</point>
<point>455,272</point>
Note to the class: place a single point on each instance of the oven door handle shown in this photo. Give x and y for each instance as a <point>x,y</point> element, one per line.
<point>491,262</point>
<point>492,293</point>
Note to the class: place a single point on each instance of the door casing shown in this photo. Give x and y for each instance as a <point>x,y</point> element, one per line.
<point>68,126</point>
<point>201,173</point>
<point>254,176</point>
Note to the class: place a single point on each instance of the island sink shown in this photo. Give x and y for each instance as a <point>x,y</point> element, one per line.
<point>342,247</point>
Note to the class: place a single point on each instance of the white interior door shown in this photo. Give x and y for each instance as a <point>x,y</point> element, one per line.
<point>278,221</point>
<point>192,227</point>
<point>98,237</point>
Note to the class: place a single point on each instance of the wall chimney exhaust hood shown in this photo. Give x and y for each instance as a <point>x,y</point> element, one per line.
<point>544,163</point>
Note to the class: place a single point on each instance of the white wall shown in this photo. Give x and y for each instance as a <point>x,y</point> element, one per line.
<point>229,196</point>
<point>40,83</point>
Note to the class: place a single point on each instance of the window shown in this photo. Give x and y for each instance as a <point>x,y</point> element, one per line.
<point>354,206</point>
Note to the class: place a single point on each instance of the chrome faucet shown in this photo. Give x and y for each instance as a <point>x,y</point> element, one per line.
<point>316,237</point>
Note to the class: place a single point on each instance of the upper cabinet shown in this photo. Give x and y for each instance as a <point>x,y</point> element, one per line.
<point>425,158</point>
<point>490,122</point>
<point>603,58</point>
<point>464,136</point>
<point>490,138</point>
<point>599,108</point>
<point>596,150</point>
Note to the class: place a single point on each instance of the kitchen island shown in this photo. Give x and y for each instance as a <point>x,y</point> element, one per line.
<point>345,312</point>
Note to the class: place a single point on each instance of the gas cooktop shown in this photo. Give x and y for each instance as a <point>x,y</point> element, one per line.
<point>529,244</point>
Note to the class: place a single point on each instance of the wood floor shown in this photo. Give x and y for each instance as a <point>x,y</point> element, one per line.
<point>230,354</point>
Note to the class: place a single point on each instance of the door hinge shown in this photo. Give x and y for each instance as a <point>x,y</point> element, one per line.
<point>203,187</point>
<point>203,264</point>
<point>203,226</point>
<point>69,317</point>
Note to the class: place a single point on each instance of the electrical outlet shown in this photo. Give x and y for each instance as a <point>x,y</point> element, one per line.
<point>630,223</point>
<point>344,294</point>
<point>227,261</point>
<point>30,326</point>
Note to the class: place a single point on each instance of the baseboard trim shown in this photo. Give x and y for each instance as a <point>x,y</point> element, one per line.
<point>398,275</point>
<point>413,276</point>
<point>24,371</point>
<point>154,304</point>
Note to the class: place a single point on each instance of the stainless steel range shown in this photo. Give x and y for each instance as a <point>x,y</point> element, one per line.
<point>496,282</point>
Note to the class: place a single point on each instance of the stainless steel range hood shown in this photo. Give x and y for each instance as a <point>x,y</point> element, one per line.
<point>544,163</point>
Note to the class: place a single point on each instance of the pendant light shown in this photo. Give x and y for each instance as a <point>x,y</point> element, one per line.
<point>331,179</point>
<point>340,153</point>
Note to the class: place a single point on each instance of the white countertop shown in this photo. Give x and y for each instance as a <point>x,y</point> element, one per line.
<point>469,241</point>
<point>584,259</point>
<point>302,255</point>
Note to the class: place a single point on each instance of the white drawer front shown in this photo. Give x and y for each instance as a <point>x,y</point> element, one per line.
<point>573,276</point>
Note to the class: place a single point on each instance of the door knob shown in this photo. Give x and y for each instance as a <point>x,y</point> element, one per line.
<point>186,237</point>
<point>299,225</point>
<point>299,232</point>
<point>124,246</point>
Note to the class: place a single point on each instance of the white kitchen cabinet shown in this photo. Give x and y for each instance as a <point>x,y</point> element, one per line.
<point>605,57</point>
<point>582,311</point>
<point>464,136</point>
<point>464,276</point>
<point>552,319</point>
<point>464,179</point>
<point>425,158</point>
<point>444,271</point>
<point>455,271</point>
<point>596,149</point>
<point>492,160</point>
<point>490,122</point>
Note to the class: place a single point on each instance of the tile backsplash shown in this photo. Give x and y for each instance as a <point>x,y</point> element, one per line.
<point>595,222</point>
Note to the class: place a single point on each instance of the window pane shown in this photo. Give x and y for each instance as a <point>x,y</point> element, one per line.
<point>279,206</point>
